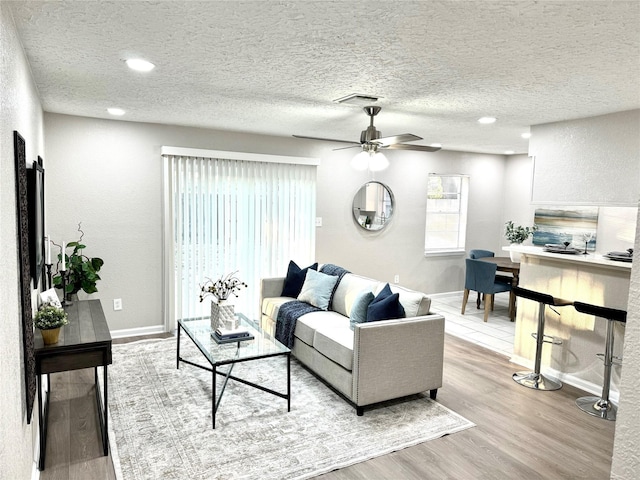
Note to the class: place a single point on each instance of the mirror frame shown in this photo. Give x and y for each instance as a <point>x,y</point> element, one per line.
<point>356,210</point>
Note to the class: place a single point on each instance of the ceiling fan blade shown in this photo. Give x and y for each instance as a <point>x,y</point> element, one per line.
<point>328,139</point>
<point>350,146</point>
<point>420,148</point>
<point>405,137</point>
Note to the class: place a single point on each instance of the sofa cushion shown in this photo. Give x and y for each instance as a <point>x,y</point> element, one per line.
<point>295,279</point>
<point>348,289</point>
<point>271,306</point>
<point>317,289</point>
<point>385,306</point>
<point>415,304</point>
<point>359,308</point>
<point>308,323</point>
<point>335,343</point>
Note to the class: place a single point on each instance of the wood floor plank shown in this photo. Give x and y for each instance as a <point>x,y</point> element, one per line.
<point>519,433</point>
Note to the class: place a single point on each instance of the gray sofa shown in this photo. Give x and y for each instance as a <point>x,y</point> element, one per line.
<point>374,361</point>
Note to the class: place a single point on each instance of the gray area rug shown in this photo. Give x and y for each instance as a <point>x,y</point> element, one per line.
<point>160,420</point>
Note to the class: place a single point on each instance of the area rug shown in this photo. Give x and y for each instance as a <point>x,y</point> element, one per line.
<point>161,426</point>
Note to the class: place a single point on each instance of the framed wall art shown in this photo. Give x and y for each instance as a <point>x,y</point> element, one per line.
<point>22,203</point>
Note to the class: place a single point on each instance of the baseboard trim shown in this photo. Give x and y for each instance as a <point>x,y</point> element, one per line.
<point>444,294</point>
<point>569,379</point>
<point>137,332</point>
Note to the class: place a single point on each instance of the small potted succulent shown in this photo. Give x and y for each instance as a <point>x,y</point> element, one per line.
<point>49,319</point>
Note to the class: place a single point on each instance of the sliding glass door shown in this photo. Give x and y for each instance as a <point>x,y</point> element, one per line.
<point>224,215</point>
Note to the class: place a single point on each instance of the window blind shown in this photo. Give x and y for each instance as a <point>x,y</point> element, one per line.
<point>225,215</point>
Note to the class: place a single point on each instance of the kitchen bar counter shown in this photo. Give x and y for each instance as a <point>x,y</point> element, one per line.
<point>589,259</point>
<point>587,278</point>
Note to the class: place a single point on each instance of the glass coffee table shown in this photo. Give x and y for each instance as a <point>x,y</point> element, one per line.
<point>261,346</point>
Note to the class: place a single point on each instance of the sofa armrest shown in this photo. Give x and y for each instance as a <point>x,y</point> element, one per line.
<point>271,287</point>
<point>395,358</point>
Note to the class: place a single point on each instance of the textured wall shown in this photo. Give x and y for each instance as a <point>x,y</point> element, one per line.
<point>588,161</point>
<point>626,455</point>
<point>19,110</point>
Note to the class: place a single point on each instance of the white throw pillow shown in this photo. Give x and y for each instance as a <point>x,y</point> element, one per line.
<point>317,289</point>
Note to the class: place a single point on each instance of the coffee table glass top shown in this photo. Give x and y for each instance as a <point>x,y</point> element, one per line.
<point>262,345</point>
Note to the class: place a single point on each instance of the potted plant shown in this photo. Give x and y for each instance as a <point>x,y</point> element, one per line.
<point>516,234</point>
<point>81,270</point>
<point>49,319</point>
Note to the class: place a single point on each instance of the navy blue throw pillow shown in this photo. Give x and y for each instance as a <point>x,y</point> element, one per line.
<point>385,306</point>
<point>295,279</point>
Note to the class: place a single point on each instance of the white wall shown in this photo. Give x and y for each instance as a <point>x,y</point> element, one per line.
<point>398,249</point>
<point>107,174</point>
<point>19,110</point>
<point>626,456</point>
<point>590,161</point>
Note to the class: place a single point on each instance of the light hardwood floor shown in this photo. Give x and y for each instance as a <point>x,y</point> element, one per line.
<point>519,434</point>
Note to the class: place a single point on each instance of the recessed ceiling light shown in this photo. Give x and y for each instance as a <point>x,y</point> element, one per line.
<point>140,65</point>
<point>115,111</point>
<point>509,152</point>
<point>487,120</point>
<point>436,145</point>
<point>526,135</point>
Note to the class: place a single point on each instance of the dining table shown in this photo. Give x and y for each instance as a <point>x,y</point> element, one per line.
<point>505,264</point>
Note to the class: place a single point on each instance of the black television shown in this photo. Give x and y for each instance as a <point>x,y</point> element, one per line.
<point>35,193</point>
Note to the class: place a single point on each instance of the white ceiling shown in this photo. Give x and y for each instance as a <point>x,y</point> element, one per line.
<point>274,67</point>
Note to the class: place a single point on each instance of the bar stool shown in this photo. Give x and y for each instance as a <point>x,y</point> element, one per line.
<point>535,379</point>
<point>601,406</point>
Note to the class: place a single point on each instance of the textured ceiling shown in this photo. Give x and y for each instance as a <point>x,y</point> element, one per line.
<point>274,67</point>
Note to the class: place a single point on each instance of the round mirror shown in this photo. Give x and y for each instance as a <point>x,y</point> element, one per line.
<point>373,206</point>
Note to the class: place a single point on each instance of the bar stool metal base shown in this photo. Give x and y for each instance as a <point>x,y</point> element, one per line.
<point>597,407</point>
<point>537,381</point>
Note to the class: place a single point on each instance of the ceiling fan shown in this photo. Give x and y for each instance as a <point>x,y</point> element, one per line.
<point>371,139</point>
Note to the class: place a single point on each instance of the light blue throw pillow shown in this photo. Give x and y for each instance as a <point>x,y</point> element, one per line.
<point>317,289</point>
<point>359,308</point>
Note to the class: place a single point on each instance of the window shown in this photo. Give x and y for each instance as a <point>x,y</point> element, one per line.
<point>250,214</point>
<point>446,225</point>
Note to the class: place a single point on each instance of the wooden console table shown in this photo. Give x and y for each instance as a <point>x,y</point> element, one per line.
<point>84,343</point>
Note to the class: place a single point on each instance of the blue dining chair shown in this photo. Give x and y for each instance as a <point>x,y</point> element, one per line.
<point>481,277</point>
<point>479,253</point>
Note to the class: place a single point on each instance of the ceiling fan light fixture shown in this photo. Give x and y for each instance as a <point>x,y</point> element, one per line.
<point>377,162</point>
<point>361,161</point>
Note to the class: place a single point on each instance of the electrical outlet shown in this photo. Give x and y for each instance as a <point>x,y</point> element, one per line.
<point>318,221</point>
<point>396,279</point>
<point>117,304</point>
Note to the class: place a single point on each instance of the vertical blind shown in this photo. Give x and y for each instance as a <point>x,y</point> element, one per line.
<point>227,215</point>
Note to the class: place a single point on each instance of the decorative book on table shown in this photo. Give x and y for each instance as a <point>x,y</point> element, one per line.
<point>224,335</point>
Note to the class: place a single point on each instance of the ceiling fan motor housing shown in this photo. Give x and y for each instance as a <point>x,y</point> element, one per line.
<point>370,134</point>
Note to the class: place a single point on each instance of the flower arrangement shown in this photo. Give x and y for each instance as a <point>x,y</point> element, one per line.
<point>518,234</point>
<point>222,288</point>
<point>49,317</point>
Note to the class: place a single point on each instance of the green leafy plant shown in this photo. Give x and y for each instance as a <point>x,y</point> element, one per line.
<point>49,317</point>
<point>82,271</point>
<point>517,233</point>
